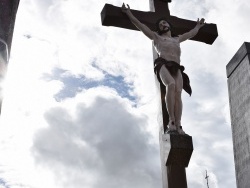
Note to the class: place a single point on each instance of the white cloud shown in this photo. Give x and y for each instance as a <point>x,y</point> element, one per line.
<point>111,154</point>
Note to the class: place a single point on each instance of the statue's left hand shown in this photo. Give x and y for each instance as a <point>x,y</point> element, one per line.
<point>124,8</point>
<point>200,22</point>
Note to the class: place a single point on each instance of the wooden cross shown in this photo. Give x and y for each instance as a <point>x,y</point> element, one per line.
<point>113,16</point>
<point>173,176</point>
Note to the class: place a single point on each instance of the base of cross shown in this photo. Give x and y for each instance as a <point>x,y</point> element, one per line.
<point>176,151</point>
<point>174,132</point>
<point>177,132</point>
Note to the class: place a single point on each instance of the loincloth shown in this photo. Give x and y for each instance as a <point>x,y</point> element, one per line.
<point>173,68</point>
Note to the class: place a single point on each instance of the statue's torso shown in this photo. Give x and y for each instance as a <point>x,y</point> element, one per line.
<point>168,48</point>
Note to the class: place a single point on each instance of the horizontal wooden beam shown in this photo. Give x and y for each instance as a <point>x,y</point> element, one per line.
<point>113,16</point>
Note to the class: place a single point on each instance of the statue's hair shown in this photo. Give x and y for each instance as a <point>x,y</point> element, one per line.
<point>158,28</point>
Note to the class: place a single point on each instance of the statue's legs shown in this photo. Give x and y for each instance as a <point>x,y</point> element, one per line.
<point>169,82</point>
<point>174,86</point>
<point>178,101</point>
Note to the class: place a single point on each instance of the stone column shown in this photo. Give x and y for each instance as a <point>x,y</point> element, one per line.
<point>238,74</point>
<point>8,10</point>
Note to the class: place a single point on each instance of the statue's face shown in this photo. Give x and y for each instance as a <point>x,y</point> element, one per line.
<point>163,25</point>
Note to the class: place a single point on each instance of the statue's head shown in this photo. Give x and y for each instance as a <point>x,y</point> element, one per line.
<point>163,26</point>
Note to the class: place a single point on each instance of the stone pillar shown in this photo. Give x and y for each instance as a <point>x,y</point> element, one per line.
<point>238,74</point>
<point>8,10</point>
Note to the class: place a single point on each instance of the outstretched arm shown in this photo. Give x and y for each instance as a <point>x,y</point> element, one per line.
<point>142,27</point>
<point>193,32</point>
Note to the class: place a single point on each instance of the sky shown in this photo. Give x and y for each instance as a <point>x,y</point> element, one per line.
<point>81,105</point>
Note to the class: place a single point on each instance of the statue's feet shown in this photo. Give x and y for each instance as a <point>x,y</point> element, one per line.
<point>180,130</point>
<point>171,128</point>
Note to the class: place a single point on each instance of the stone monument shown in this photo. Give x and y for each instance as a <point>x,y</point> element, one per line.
<point>8,10</point>
<point>176,149</point>
<point>238,74</point>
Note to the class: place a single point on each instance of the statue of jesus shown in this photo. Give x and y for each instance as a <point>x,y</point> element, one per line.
<point>167,67</point>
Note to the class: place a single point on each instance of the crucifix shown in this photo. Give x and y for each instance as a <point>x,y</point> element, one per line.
<point>8,10</point>
<point>176,150</point>
<point>113,16</point>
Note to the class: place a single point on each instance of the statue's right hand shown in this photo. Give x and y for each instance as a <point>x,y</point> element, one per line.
<point>124,8</point>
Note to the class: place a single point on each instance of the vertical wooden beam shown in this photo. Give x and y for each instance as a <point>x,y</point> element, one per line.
<point>160,7</point>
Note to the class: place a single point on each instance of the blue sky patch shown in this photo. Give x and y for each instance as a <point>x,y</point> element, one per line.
<point>74,85</point>
<point>3,183</point>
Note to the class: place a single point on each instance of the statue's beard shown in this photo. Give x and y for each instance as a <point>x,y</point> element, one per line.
<point>164,31</point>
